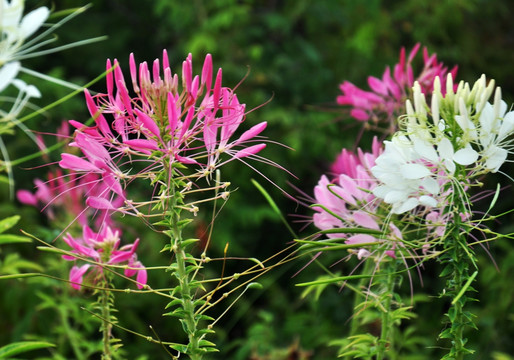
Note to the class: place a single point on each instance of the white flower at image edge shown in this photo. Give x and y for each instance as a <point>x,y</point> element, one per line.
<point>7,74</point>
<point>15,29</point>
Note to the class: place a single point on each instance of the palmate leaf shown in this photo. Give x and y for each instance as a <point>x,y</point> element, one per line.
<point>23,346</point>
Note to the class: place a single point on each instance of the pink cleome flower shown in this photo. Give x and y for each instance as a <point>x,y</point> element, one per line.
<point>103,248</point>
<point>386,100</point>
<point>348,201</point>
<point>60,196</point>
<point>189,121</point>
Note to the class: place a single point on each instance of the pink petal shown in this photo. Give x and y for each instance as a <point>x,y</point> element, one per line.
<point>252,132</point>
<point>26,197</point>
<point>252,150</point>
<point>75,163</point>
<point>97,114</point>
<point>77,274</point>
<point>207,73</point>
<point>99,203</point>
<point>360,239</point>
<point>142,277</point>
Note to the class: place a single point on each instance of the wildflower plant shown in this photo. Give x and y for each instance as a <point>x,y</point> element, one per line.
<point>172,136</point>
<point>409,200</point>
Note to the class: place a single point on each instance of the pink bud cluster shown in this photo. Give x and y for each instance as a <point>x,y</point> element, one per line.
<point>386,100</point>
<point>103,248</point>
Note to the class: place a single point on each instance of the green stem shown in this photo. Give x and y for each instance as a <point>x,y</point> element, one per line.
<point>187,304</point>
<point>385,344</point>
<point>357,298</point>
<point>457,258</point>
<point>106,326</point>
<point>185,291</point>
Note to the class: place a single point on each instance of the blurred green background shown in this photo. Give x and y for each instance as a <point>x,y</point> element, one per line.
<point>293,54</point>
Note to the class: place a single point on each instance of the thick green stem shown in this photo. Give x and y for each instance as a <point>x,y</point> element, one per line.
<point>357,298</point>
<point>386,339</point>
<point>187,304</point>
<point>182,274</point>
<point>457,260</point>
<point>106,326</point>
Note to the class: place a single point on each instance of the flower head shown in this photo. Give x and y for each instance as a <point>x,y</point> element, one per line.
<point>188,121</point>
<point>458,138</point>
<point>386,100</point>
<point>104,249</point>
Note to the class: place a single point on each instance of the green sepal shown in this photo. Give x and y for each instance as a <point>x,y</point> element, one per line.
<point>203,343</point>
<point>187,242</point>
<point>447,270</point>
<point>446,334</point>
<point>210,349</point>
<point>179,347</point>
<point>161,223</point>
<point>203,317</point>
<point>166,247</point>
<point>204,332</point>
<point>173,303</point>
<point>452,314</point>
<point>178,313</point>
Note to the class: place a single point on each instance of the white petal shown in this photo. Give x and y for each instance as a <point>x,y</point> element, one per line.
<point>7,73</point>
<point>395,196</point>
<point>496,158</point>
<point>414,171</point>
<point>486,119</point>
<point>428,201</point>
<point>381,191</point>
<point>406,206</point>
<point>507,126</point>
<point>425,150</point>
<point>33,21</point>
<point>445,149</point>
<point>466,156</point>
<point>430,185</point>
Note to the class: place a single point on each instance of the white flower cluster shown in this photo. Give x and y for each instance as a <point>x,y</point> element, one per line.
<point>461,135</point>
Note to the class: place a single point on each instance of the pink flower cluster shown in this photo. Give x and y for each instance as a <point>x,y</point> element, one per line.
<point>103,248</point>
<point>348,202</point>
<point>190,121</point>
<point>386,100</point>
<point>61,196</point>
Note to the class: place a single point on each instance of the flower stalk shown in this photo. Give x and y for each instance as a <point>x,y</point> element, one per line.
<point>458,279</point>
<point>386,334</point>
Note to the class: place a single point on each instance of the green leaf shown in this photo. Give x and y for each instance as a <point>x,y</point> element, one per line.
<point>21,347</point>
<point>204,343</point>
<point>8,223</point>
<point>13,239</point>
<point>179,347</point>
<point>452,314</point>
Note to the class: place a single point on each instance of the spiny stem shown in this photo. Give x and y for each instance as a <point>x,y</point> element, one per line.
<point>106,326</point>
<point>355,323</point>
<point>386,339</point>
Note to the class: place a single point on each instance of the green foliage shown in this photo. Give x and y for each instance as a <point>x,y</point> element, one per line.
<point>8,351</point>
<point>297,53</point>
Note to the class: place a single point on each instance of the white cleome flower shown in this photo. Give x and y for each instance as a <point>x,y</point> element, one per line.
<point>407,178</point>
<point>16,29</point>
